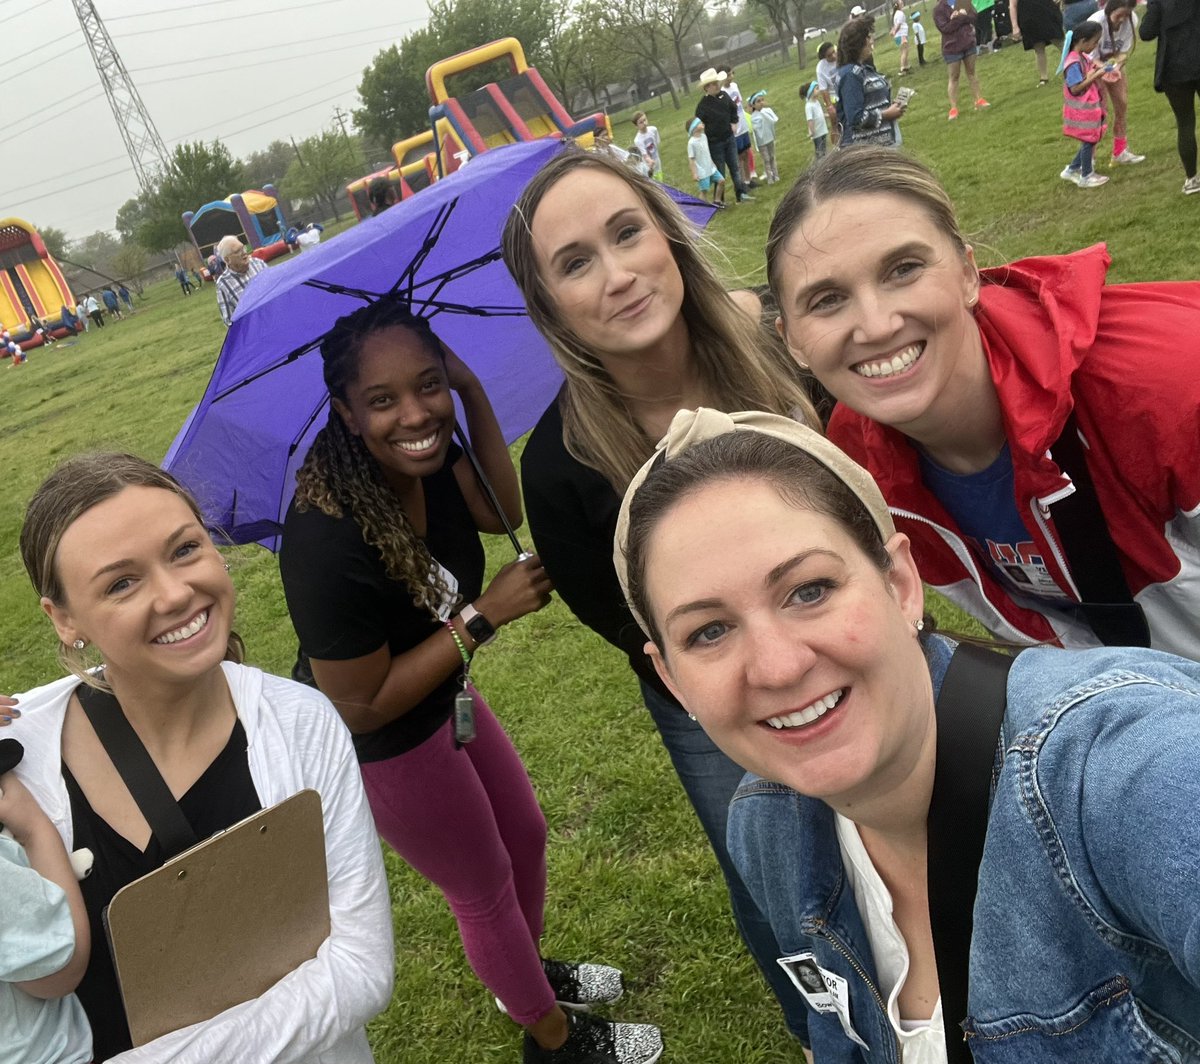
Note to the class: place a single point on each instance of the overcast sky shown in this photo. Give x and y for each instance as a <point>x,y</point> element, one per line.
<point>64,163</point>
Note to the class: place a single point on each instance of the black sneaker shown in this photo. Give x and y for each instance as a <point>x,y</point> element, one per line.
<point>580,986</point>
<point>592,1040</point>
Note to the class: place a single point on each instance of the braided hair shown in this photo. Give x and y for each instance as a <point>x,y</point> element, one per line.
<point>339,474</point>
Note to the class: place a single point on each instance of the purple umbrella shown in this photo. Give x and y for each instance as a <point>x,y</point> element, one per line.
<point>240,448</point>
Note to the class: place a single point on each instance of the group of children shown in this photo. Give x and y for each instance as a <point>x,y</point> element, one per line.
<point>706,174</point>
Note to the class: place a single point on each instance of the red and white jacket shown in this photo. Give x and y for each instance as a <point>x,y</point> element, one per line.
<point>1126,358</point>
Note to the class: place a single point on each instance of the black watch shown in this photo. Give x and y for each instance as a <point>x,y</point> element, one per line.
<point>478,626</point>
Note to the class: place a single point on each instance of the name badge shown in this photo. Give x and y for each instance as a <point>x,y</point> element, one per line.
<point>823,990</point>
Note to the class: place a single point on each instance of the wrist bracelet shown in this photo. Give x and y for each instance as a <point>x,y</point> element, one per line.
<point>462,647</point>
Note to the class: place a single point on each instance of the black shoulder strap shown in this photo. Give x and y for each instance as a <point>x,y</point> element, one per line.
<point>1091,554</point>
<point>970,709</point>
<point>137,769</point>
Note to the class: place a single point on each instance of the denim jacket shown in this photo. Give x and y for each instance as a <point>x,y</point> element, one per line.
<point>1086,943</point>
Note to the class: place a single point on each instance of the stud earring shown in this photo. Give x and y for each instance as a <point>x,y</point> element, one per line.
<point>919,624</point>
<point>79,644</point>
<point>226,567</point>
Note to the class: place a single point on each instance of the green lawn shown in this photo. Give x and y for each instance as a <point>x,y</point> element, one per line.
<point>631,881</point>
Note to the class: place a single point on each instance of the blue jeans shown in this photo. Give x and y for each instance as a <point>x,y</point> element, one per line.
<point>709,778</point>
<point>1083,159</point>
<point>725,156</point>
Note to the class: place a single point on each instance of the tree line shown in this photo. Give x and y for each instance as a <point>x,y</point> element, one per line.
<point>580,47</point>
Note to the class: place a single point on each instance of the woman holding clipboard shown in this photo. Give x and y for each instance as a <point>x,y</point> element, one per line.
<point>143,606</point>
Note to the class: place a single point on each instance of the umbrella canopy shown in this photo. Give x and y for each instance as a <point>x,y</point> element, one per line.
<point>241,446</point>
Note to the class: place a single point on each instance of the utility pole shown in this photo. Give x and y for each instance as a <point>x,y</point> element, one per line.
<point>146,149</point>
<point>340,116</point>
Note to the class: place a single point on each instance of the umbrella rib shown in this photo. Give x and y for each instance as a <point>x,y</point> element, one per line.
<point>291,356</point>
<point>408,276</point>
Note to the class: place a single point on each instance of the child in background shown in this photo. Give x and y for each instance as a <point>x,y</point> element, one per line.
<point>649,144</point>
<point>704,173</point>
<point>918,32</point>
<point>44,938</point>
<point>1083,111</point>
<point>764,120</point>
<point>10,347</point>
<point>827,85</point>
<point>900,33</point>
<point>818,128</point>
<point>637,162</point>
<point>40,328</point>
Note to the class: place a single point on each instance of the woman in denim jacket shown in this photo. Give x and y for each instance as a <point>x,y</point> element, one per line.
<point>786,613</point>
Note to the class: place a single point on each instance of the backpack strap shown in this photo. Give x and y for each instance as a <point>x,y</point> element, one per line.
<point>135,766</point>
<point>970,710</point>
<point>1092,556</point>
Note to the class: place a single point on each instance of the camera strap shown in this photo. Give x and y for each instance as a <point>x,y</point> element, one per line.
<point>970,710</point>
<point>136,767</point>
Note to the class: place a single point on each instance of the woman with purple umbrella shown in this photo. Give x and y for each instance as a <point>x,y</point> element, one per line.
<point>383,572</point>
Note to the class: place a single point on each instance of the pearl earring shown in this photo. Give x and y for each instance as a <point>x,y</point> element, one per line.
<point>79,644</point>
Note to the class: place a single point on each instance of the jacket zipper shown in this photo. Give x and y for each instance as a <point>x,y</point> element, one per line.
<point>1040,512</point>
<point>823,930</point>
<point>968,559</point>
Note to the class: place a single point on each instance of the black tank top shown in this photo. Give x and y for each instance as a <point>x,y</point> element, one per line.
<point>223,795</point>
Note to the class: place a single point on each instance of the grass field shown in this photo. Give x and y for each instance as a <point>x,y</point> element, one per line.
<point>631,880</point>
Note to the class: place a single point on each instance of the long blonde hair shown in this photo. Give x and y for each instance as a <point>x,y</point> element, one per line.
<point>741,366</point>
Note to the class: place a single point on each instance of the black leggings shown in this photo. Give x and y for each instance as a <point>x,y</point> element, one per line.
<point>1182,98</point>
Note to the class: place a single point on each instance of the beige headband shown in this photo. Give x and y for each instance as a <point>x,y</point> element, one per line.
<point>690,427</point>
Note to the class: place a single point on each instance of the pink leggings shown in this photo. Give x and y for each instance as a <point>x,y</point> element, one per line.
<point>468,821</point>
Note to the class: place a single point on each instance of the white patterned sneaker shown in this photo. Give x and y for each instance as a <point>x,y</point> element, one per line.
<point>1093,180</point>
<point>580,986</point>
<point>1192,184</point>
<point>592,1040</point>
<point>1128,157</point>
<point>1071,175</point>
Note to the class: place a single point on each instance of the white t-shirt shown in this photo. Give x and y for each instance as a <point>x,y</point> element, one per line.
<point>1113,43</point>
<point>815,113</point>
<point>827,76</point>
<point>899,23</point>
<point>697,149</point>
<point>735,94</point>
<point>918,32</point>
<point>648,144</point>
<point>920,1042</point>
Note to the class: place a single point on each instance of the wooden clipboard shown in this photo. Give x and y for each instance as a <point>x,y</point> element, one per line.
<point>223,921</point>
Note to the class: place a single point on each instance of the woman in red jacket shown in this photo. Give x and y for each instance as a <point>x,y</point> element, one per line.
<point>1034,431</point>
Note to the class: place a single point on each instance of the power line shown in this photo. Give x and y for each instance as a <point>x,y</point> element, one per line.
<point>41,181</point>
<point>33,114</point>
<point>92,179</point>
<point>275,47</point>
<point>232,18</point>
<point>163,10</point>
<point>274,103</point>
<point>264,62</point>
<point>22,14</point>
<point>41,61</point>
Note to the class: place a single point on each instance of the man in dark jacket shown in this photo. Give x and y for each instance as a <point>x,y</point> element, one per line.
<point>718,112</point>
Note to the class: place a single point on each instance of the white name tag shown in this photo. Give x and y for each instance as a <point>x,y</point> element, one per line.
<point>825,991</point>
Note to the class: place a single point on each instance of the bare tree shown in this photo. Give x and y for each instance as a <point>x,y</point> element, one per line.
<point>638,28</point>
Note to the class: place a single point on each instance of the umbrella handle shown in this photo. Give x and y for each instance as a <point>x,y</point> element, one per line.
<point>489,491</point>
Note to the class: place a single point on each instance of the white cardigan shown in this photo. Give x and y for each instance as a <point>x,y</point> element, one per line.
<point>295,739</point>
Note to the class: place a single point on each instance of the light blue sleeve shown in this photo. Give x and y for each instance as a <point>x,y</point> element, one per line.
<point>37,936</point>
<point>1139,817</point>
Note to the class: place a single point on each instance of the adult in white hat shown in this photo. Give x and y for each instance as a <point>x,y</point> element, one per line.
<point>719,114</point>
